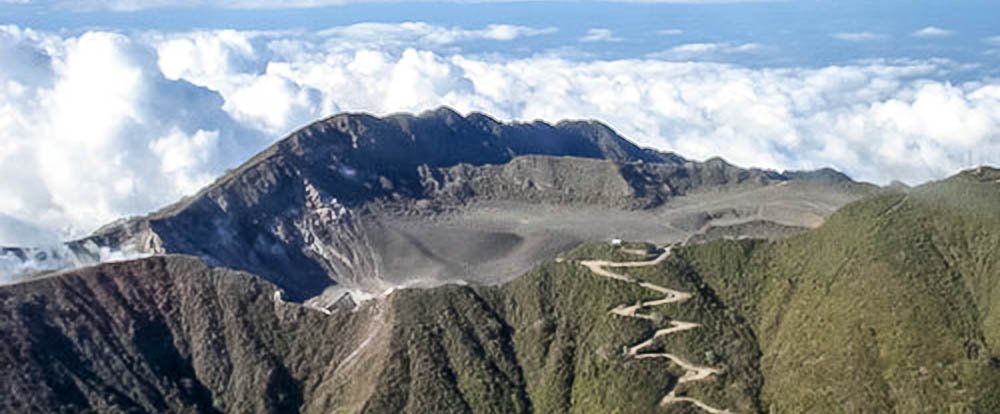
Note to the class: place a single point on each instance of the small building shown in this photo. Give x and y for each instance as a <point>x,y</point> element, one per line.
<point>345,303</point>
<point>616,242</point>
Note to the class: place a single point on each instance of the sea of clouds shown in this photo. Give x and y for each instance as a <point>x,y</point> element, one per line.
<point>100,125</point>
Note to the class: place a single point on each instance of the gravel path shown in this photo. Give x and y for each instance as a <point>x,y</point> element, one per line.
<point>692,372</point>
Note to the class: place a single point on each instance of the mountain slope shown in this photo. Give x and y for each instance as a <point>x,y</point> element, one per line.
<point>897,313</point>
<point>164,334</point>
<point>888,306</point>
<point>169,333</point>
<point>354,203</point>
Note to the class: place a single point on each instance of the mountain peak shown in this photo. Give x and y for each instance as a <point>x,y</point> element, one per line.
<point>444,113</point>
<point>319,212</point>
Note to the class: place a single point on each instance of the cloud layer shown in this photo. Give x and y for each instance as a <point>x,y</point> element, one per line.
<point>101,125</point>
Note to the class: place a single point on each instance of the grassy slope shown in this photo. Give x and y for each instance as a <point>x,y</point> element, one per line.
<point>547,343</point>
<point>888,306</point>
<point>449,352</point>
<point>573,304</point>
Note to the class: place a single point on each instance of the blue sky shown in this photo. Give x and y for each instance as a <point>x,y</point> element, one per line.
<point>111,108</point>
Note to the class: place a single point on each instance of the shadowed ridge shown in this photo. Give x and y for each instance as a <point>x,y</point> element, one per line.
<point>612,146</point>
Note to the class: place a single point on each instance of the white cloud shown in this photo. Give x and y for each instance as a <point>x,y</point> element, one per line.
<point>932,32</point>
<point>600,35</point>
<point>993,40</point>
<point>858,36</point>
<point>78,147</point>
<point>696,50</point>
<point>103,125</point>
<point>204,53</point>
<point>511,32</point>
<point>670,32</point>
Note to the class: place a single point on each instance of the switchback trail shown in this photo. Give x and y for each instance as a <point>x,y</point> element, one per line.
<point>691,372</point>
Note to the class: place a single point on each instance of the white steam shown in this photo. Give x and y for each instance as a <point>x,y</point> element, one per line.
<point>21,264</point>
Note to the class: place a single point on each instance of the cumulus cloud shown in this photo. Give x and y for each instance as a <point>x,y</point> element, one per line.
<point>83,142</point>
<point>858,36</point>
<point>932,32</point>
<point>600,35</point>
<point>102,125</point>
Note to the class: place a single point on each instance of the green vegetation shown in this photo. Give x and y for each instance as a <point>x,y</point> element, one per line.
<point>615,383</point>
<point>547,342</point>
<point>893,305</point>
<point>889,306</point>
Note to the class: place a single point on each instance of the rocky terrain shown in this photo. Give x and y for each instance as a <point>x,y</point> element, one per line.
<point>360,204</point>
<point>896,315</point>
<point>440,263</point>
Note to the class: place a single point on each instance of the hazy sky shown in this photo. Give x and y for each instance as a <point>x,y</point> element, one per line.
<point>116,107</point>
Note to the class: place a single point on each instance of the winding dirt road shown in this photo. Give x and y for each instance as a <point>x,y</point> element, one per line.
<point>691,372</point>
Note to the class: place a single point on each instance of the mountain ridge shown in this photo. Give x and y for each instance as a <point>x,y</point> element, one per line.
<point>812,293</point>
<point>315,209</point>
<point>878,322</point>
